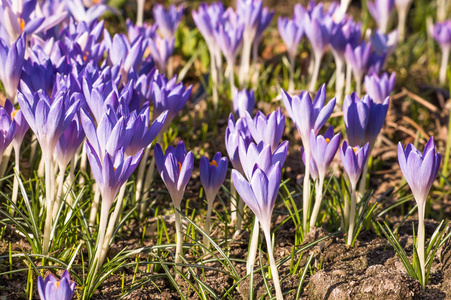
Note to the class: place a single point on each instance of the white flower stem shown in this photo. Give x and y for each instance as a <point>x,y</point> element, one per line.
<point>16,180</point>
<point>83,164</point>
<point>340,79</point>
<point>319,197</point>
<point>48,203</point>
<point>306,188</point>
<point>5,160</point>
<point>255,59</point>
<point>233,202</point>
<point>352,215</point>
<point>94,206</point>
<point>292,60</point>
<point>348,79</point>
<point>253,247</point>
<point>207,226</point>
<point>358,85</point>
<point>111,224</point>
<point>104,212</point>
<point>444,65</point>
<point>402,18</point>
<point>315,75</point>
<point>272,263</point>
<point>59,194</point>
<point>140,13</point>
<point>140,175</point>
<point>214,78</point>
<point>420,240</point>
<point>362,183</point>
<point>245,61</point>
<point>230,67</point>
<point>179,235</point>
<point>218,58</point>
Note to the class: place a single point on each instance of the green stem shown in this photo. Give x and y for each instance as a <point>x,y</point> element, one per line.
<point>253,247</point>
<point>318,199</point>
<point>272,263</point>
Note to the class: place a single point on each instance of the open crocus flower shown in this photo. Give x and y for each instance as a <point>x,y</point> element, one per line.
<point>380,87</point>
<point>267,128</point>
<point>260,194</point>
<point>308,115</point>
<point>419,170</point>
<point>11,62</point>
<point>353,160</point>
<point>52,289</point>
<point>175,168</point>
<point>167,19</point>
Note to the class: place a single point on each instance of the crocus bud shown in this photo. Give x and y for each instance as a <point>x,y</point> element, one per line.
<point>167,20</point>
<point>355,114</point>
<point>381,10</point>
<point>380,87</point>
<point>353,160</point>
<point>212,174</point>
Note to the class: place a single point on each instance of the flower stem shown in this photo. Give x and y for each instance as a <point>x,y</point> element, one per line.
<point>59,194</point>
<point>272,263</point>
<point>402,18</point>
<point>306,188</point>
<point>179,245</point>
<point>340,78</point>
<point>207,226</point>
<point>140,176</point>
<point>291,80</point>
<point>48,203</point>
<point>16,180</point>
<point>233,202</point>
<point>319,197</point>
<point>253,247</point>
<point>94,206</point>
<point>214,79</point>
<point>231,65</point>
<point>140,13</point>
<point>362,183</point>
<point>444,64</point>
<point>315,75</point>
<point>420,241</point>
<point>352,215</point>
<point>348,79</point>
<point>104,212</point>
<point>245,61</point>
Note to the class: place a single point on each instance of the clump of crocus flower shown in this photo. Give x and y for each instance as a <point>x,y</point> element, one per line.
<point>353,160</point>
<point>212,176</point>
<point>442,34</point>
<point>308,115</point>
<point>419,170</point>
<point>52,289</point>
<point>175,168</point>
<point>260,193</point>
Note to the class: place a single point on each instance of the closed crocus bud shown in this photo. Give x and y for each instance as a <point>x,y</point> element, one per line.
<point>52,289</point>
<point>161,50</point>
<point>291,33</point>
<point>167,20</point>
<point>212,174</point>
<point>229,39</point>
<point>243,101</point>
<point>353,160</point>
<point>249,12</point>
<point>376,119</point>
<point>380,87</point>
<point>232,137</point>
<point>264,21</point>
<point>268,129</point>
<point>356,115</point>
<point>358,58</point>
<point>69,142</point>
<point>175,168</point>
<point>419,169</point>
<point>381,10</point>
<point>11,62</point>
<point>442,34</point>
<point>313,167</point>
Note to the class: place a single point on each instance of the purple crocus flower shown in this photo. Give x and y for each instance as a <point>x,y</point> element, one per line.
<point>243,101</point>
<point>169,95</point>
<point>21,124</point>
<point>175,168</point>
<point>308,114</point>
<point>135,31</point>
<point>323,149</point>
<point>52,289</point>
<point>47,116</point>
<point>267,129</point>
<point>358,59</point>
<point>356,115</point>
<point>291,33</point>
<point>260,154</point>
<point>232,137</point>
<point>80,13</point>
<point>249,12</point>
<point>313,168</point>
<point>161,50</point>
<point>7,130</point>
<point>347,32</point>
<point>167,20</point>
<point>206,18</point>
<point>212,174</point>
<point>442,34</point>
<point>264,21</point>
<point>376,119</point>
<point>260,194</point>
<point>353,160</point>
<point>419,169</point>
<point>68,143</point>
<point>381,10</point>
<point>229,39</point>
<point>11,62</point>
<point>380,87</point>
